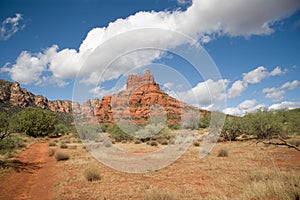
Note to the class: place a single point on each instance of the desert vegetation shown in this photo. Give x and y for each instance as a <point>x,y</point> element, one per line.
<point>239,167</point>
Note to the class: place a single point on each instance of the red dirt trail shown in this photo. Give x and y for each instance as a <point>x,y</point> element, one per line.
<point>33,175</point>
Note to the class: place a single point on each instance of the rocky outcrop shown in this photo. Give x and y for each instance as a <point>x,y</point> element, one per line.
<point>20,97</point>
<point>135,81</point>
<point>138,102</point>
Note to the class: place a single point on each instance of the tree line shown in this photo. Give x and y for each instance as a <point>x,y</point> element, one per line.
<point>34,122</point>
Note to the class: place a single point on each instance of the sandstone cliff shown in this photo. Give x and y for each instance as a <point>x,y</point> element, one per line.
<point>136,103</point>
<point>15,95</point>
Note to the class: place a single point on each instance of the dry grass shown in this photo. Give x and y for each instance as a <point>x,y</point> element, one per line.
<point>51,152</point>
<point>60,156</point>
<point>63,146</point>
<point>92,174</point>
<point>51,144</point>
<point>222,153</point>
<point>156,194</point>
<point>273,184</point>
<point>242,175</point>
<point>294,141</point>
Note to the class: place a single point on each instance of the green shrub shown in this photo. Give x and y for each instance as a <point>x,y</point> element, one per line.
<point>34,122</point>
<point>11,144</point>
<point>60,156</point>
<point>4,126</point>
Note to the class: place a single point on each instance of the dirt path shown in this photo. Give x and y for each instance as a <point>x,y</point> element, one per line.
<point>33,176</point>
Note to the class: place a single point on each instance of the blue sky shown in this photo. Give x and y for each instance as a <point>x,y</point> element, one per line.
<point>48,46</point>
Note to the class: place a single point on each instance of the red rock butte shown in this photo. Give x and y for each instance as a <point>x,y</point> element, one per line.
<point>135,103</point>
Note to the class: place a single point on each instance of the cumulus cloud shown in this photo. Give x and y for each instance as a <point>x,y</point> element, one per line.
<point>10,26</point>
<point>203,20</point>
<point>285,105</point>
<point>247,106</point>
<point>277,94</point>
<point>205,93</point>
<point>274,93</point>
<point>253,77</point>
<point>290,85</point>
<point>237,88</point>
<point>256,75</point>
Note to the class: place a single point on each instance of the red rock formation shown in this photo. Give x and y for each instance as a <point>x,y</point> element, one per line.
<point>135,103</point>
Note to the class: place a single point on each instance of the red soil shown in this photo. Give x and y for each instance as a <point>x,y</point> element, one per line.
<point>33,176</point>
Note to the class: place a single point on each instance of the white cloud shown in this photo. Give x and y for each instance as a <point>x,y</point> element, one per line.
<point>253,77</point>
<point>203,20</point>
<point>256,75</point>
<point>29,68</point>
<point>10,26</point>
<point>277,71</point>
<point>285,105</point>
<point>290,85</point>
<point>205,93</point>
<point>237,88</point>
<point>274,94</point>
<point>243,108</point>
<point>277,94</point>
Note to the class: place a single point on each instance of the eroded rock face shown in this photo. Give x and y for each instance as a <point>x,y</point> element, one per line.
<point>20,97</point>
<point>136,103</point>
<point>135,81</point>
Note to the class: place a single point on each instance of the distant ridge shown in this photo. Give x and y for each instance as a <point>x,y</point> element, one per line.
<point>134,104</point>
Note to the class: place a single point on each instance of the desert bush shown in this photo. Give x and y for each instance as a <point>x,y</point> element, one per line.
<point>51,144</point>
<point>156,194</point>
<point>92,174</point>
<point>205,120</point>
<point>117,134</point>
<point>153,143</point>
<point>60,156</point>
<point>196,143</point>
<point>222,153</point>
<point>137,142</point>
<point>63,146</point>
<point>191,119</point>
<point>163,142</point>
<point>10,144</point>
<point>233,127</point>
<point>89,131</point>
<point>107,144</point>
